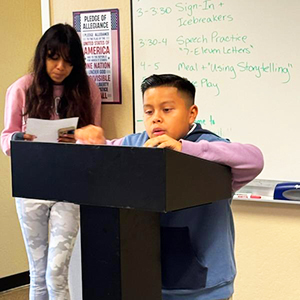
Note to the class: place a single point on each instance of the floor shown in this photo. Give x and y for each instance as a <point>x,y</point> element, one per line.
<point>20,293</point>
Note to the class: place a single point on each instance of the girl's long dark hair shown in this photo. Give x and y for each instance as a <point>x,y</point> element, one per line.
<point>61,40</point>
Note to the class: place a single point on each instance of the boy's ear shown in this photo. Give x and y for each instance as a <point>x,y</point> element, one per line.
<point>193,113</point>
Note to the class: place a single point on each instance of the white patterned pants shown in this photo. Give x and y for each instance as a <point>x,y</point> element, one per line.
<point>49,230</point>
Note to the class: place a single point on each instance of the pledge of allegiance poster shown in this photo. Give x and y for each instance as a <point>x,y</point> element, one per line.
<point>99,33</point>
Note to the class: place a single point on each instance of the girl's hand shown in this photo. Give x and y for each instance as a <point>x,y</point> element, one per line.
<point>67,138</point>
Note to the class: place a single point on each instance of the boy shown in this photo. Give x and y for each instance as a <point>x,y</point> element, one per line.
<point>196,243</point>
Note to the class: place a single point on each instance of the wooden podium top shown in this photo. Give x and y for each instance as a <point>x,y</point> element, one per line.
<point>148,179</point>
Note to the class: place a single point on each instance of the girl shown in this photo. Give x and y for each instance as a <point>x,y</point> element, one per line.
<point>58,87</point>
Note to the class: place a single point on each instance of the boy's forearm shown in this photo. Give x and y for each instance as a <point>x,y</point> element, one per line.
<point>246,161</point>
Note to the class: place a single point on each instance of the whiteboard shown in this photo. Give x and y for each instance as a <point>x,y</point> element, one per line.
<point>243,57</point>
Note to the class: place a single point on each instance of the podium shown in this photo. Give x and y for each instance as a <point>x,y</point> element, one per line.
<point>122,192</point>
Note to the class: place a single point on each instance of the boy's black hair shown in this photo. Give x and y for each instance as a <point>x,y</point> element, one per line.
<point>170,80</point>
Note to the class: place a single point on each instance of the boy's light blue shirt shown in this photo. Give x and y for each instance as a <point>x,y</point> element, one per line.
<point>211,233</point>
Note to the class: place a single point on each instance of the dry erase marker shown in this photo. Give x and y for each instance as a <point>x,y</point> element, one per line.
<point>255,196</point>
<point>243,195</point>
<point>248,196</point>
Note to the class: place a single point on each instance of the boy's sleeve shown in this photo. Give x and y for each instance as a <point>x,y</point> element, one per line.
<point>246,161</point>
<point>15,96</point>
<point>115,142</point>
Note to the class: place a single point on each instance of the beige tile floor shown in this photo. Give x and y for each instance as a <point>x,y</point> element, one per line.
<point>20,293</point>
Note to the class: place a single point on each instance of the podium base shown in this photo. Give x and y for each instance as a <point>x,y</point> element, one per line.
<point>120,254</point>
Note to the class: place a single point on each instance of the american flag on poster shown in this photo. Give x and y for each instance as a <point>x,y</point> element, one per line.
<point>99,32</point>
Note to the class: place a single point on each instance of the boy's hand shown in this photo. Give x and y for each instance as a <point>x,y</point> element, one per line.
<point>28,137</point>
<point>164,141</point>
<point>90,134</point>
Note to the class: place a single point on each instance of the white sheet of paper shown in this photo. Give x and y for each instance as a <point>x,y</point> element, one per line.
<point>47,130</point>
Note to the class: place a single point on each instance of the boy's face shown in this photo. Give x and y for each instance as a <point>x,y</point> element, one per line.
<point>166,112</point>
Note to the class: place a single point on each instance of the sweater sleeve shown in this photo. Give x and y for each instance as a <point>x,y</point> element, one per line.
<point>14,106</point>
<point>246,161</point>
<point>96,101</point>
<point>115,142</point>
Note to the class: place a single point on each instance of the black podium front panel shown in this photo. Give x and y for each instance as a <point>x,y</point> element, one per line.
<point>148,179</point>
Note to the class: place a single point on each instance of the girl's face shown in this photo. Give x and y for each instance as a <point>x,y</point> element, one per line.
<point>58,69</point>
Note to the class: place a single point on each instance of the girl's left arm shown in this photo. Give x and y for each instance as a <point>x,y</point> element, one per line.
<point>246,161</point>
<point>13,118</point>
<point>96,102</point>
